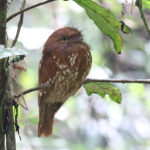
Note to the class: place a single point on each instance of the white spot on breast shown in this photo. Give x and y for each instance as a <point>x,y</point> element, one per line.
<point>44,92</point>
<point>57,63</point>
<point>81,46</point>
<point>54,57</point>
<point>60,66</point>
<point>64,66</point>
<point>67,70</point>
<point>62,77</point>
<point>72,59</point>
<point>76,73</point>
<point>64,72</point>
<point>59,79</point>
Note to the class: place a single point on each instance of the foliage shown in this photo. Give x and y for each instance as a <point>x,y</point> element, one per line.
<point>7,52</point>
<point>102,89</point>
<point>106,21</point>
<point>92,124</point>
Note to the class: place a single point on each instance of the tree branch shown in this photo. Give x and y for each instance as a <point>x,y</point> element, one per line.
<point>28,8</point>
<point>19,24</point>
<point>31,90</point>
<point>145,81</point>
<point>139,5</point>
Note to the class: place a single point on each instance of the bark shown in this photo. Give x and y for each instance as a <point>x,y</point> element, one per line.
<point>6,114</point>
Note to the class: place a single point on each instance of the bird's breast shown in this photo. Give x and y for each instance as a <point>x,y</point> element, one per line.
<point>70,71</point>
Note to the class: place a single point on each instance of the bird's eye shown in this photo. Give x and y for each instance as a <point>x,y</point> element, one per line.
<point>64,39</point>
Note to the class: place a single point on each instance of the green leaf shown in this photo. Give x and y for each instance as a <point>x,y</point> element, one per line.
<point>106,21</point>
<point>102,88</point>
<point>7,52</point>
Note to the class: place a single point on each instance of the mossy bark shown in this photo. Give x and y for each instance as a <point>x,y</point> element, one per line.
<point>6,114</point>
<point>3,76</point>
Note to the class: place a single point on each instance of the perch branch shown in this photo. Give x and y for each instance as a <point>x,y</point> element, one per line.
<point>28,8</point>
<point>145,81</point>
<point>31,90</point>
<point>139,5</point>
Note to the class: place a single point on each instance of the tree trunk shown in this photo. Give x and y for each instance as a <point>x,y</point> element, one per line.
<point>6,113</point>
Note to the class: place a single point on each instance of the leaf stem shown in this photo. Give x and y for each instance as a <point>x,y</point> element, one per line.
<point>139,5</point>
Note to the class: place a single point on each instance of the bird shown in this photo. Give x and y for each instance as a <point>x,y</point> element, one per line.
<point>65,63</point>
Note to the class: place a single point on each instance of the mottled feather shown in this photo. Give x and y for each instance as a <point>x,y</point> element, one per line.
<point>65,63</point>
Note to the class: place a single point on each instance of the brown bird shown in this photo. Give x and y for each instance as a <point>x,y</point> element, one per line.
<point>65,63</point>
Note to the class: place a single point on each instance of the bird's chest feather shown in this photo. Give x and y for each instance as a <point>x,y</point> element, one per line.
<point>66,73</point>
<point>70,75</point>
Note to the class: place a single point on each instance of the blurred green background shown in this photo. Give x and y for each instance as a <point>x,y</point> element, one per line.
<point>87,123</point>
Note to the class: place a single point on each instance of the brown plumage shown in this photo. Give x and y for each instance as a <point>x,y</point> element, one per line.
<point>65,63</point>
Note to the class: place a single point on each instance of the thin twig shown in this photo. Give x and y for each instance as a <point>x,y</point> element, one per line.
<point>28,8</point>
<point>139,5</point>
<point>31,90</point>
<point>19,24</point>
<point>145,81</point>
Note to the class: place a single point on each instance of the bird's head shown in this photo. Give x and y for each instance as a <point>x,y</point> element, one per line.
<point>65,37</point>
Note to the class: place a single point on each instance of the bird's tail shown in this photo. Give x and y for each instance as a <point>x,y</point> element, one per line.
<point>46,117</point>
